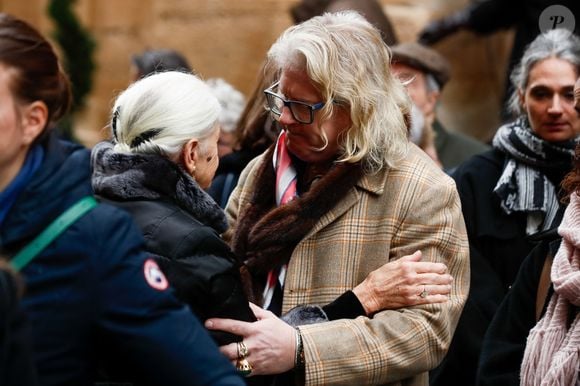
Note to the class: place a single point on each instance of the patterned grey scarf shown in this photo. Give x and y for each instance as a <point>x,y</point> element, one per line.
<point>523,186</point>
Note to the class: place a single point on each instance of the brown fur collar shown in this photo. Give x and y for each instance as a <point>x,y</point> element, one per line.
<point>266,235</point>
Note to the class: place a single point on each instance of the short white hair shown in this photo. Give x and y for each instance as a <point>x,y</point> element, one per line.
<point>231,100</point>
<point>162,112</point>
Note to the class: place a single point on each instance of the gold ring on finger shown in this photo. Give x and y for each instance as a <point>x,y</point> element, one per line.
<point>242,350</point>
<point>244,367</point>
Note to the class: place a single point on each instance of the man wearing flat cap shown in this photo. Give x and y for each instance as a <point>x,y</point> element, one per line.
<point>425,72</point>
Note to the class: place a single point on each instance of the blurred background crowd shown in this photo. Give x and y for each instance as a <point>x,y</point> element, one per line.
<point>241,33</point>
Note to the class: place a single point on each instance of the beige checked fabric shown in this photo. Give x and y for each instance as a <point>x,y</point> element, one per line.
<point>393,213</point>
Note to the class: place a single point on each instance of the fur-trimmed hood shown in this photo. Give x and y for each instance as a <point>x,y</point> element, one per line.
<point>125,176</point>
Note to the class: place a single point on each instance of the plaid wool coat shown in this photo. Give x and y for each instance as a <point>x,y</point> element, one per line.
<point>385,216</point>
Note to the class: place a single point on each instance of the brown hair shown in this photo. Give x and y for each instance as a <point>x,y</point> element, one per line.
<point>571,182</point>
<point>256,131</point>
<point>37,75</point>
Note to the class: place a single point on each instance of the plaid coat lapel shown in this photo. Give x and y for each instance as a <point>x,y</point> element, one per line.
<point>373,184</point>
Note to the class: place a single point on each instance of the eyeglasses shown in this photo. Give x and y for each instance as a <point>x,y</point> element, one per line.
<point>301,111</point>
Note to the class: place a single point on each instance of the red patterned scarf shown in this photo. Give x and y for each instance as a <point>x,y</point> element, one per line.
<point>286,180</point>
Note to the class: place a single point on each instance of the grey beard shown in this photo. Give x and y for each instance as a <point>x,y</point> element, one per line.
<point>417,125</point>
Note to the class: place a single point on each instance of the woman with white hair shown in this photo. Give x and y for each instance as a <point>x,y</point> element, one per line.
<point>340,193</point>
<point>163,156</point>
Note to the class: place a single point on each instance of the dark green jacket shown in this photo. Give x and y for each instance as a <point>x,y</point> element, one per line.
<point>454,148</point>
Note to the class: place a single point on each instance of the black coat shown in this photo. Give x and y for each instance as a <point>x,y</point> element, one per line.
<point>505,341</point>
<point>181,226</point>
<point>498,244</point>
<point>495,237</point>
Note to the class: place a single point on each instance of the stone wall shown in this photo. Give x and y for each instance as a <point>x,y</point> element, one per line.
<point>229,38</point>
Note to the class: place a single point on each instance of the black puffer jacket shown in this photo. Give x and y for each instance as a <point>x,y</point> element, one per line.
<point>181,224</point>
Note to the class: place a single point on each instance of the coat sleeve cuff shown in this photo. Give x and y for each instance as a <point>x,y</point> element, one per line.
<point>346,306</point>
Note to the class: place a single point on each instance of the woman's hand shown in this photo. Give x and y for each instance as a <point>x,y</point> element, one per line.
<point>271,343</point>
<point>402,283</point>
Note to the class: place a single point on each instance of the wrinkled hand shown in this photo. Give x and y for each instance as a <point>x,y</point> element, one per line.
<point>271,342</point>
<point>399,284</point>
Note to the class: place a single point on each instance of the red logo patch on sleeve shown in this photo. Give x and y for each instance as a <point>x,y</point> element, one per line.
<point>154,276</point>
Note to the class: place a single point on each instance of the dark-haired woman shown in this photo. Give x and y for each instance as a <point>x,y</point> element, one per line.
<point>547,292</point>
<point>92,296</point>
<point>512,191</point>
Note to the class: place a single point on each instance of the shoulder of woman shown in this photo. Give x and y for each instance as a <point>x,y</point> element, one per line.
<point>173,232</point>
<point>482,167</point>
